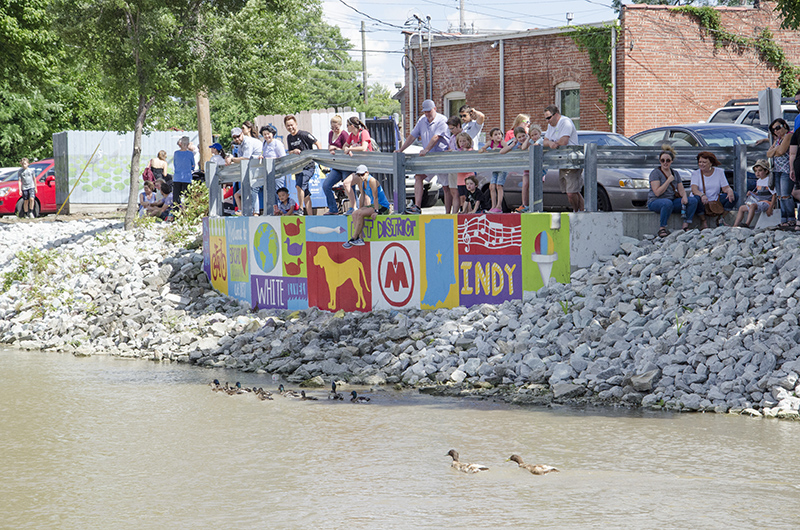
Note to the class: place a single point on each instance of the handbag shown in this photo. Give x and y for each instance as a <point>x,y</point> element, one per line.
<point>147,174</point>
<point>712,208</point>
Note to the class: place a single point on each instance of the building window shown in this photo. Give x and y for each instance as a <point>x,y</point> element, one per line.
<point>452,102</point>
<point>568,98</point>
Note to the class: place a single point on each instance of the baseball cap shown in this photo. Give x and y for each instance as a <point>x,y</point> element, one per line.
<point>236,131</point>
<point>360,170</point>
<point>217,146</point>
<point>427,105</point>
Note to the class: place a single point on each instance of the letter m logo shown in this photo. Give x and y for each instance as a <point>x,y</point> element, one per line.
<point>396,276</point>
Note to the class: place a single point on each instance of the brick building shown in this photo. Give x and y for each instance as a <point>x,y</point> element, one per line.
<point>668,70</point>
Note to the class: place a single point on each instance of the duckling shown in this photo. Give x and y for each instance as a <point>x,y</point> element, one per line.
<point>287,393</point>
<point>540,469</point>
<point>463,466</point>
<point>304,397</point>
<point>336,396</point>
<point>358,399</point>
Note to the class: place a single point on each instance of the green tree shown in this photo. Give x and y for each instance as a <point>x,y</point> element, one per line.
<point>379,102</point>
<point>147,51</point>
<point>43,88</point>
<point>790,12</point>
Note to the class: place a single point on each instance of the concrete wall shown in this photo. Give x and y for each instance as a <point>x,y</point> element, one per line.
<point>428,261</point>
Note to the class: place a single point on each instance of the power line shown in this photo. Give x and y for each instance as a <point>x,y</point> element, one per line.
<point>371,17</point>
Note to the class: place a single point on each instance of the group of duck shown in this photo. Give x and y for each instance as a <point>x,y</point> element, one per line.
<point>265,395</point>
<point>464,467</point>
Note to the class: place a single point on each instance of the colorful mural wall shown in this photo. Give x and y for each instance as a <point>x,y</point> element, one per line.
<point>423,261</point>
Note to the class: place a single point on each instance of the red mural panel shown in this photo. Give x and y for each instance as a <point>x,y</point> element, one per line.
<point>339,278</point>
<point>488,234</point>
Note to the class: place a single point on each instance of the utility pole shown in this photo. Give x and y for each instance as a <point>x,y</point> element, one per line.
<point>462,25</point>
<point>364,60</point>
<point>204,137</point>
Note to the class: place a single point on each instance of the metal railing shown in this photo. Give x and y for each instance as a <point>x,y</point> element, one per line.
<point>589,157</point>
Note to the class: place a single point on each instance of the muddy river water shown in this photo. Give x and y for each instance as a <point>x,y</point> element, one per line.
<point>109,443</point>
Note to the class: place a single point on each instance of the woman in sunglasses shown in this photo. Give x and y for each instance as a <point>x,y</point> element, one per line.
<point>667,193</point>
<point>779,152</point>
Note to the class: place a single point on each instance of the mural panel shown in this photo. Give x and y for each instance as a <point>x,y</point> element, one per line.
<point>237,237</point>
<point>219,254</point>
<point>439,266</point>
<point>338,278</point>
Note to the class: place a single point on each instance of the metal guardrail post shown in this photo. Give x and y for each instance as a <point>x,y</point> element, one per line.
<point>269,185</point>
<point>740,172</point>
<point>399,182</point>
<point>214,190</point>
<point>247,189</point>
<point>590,177</point>
<point>536,184</point>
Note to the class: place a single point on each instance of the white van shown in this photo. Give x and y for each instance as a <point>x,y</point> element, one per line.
<point>745,112</point>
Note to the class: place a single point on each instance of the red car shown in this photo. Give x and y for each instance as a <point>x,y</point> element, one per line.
<point>10,200</point>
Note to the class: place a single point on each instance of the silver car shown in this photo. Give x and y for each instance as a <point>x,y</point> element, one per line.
<point>618,189</point>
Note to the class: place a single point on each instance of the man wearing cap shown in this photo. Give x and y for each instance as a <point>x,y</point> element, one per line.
<point>368,190</point>
<point>431,129</point>
<point>248,147</point>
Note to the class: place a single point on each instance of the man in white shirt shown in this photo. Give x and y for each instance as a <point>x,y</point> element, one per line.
<point>248,147</point>
<point>471,122</point>
<point>431,129</point>
<point>561,131</point>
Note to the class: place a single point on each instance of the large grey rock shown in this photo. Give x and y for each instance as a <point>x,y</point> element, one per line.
<point>567,390</point>
<point>645,382</point>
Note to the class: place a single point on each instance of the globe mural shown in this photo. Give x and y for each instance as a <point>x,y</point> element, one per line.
<point>266,245</point>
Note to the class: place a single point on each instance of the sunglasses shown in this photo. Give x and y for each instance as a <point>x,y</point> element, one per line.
<point>463,115</point>
<point>547,118</point>
<point>666,160</point>
<point>777,128</point>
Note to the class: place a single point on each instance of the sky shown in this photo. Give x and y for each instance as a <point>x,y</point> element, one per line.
<point>384,22</point>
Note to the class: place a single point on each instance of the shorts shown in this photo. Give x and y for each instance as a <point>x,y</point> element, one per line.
<point>380,210</point>
<point>571,180</point>
<point>450,180</point>
<point>498,178</point>
<point>303,178</point>
<point>761,206</point>
<point>28,194</point>
<point>462,191</point>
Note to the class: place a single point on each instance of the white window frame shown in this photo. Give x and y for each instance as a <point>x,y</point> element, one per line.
<point>567,85</point>
<point>452,96</point>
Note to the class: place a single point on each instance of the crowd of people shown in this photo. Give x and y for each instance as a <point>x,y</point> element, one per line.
<point>710,196</point>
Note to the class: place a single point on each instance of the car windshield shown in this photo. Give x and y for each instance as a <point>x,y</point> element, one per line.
<point>730,137</point>
<point>8,175</point>
<point>38,167</point>
<point>605,139</point>
<point>726,115</point>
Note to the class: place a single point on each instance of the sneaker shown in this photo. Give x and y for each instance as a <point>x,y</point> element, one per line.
<point>414,209</point>
<point>357,242</point>
<point>31,215</point>
<point>349,212</point>
<point>331,213</point>
<point>349,243</point>
<point>523,209</point>
<point>495,210</point>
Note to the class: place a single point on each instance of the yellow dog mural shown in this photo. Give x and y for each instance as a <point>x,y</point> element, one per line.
<point>337,274</point>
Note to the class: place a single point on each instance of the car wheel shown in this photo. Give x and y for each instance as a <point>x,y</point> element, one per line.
<point>430,199</point>
<point>603,202</point>
<point>36,209</point>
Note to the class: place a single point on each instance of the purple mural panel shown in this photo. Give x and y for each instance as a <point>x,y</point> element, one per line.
<point>489,279</point>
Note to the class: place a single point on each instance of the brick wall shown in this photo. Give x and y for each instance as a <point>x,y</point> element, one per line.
<point>533,68</point>
<point>668,71</point>
<point>674,74</point>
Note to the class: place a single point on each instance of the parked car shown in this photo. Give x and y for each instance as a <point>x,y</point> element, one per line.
<point>705,135</point>
<point>618,189</point>
<point>711,135</point>
<point>10,200</point>
<point>745,112</point>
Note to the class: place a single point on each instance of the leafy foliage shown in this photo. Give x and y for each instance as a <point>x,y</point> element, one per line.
<point>710,20</point>
<point>596,42</point>
<point>379,103</point>
<point>790,12</point>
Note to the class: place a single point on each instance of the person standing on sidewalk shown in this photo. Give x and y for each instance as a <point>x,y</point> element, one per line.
<point>561,131</point>
<point>26,178</point>
<point>431,129</point>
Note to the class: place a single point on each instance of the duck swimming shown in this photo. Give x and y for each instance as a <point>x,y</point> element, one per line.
<point>304,397</point>
<point>216,386</point>
<point>464,467</point>
<point>358,399</point>
<point>287,393</point>
<point>540,469</point>
<point>334,394</point>
<point>262,394</point>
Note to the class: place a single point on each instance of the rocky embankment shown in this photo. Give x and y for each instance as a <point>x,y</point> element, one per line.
<point>699,321</point>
